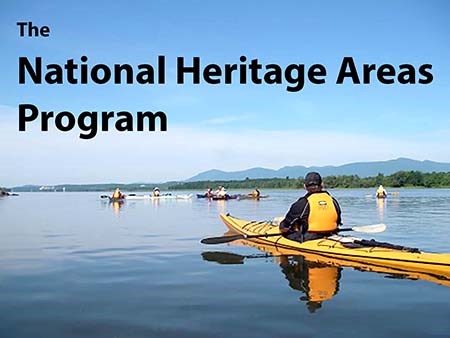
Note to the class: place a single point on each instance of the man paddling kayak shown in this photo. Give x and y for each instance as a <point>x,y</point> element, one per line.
<point>156,192</point>
<point>209,193</point>
<point>313,216</point>
<point>381,192</point>
<point>117,194</point>
<point>222,193</point>
<point>255,194</point>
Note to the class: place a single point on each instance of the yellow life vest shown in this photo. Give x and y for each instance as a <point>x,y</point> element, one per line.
<point>322,213</point>
<point>381,192</point>
<point>116,194</point>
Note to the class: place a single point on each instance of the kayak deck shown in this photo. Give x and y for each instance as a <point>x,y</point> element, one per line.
<point>435,263</point>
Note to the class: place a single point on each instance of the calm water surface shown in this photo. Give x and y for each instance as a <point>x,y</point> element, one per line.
<point>72,265</point>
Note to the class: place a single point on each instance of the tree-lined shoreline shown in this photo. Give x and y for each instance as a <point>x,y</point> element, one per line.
<point>401,179</point>
<point>413,179</point>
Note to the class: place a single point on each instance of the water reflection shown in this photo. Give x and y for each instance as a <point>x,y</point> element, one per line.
<point>317,281</point>
<point>83,270</point>
<point>116,206</point>
<point>317,277</point>
<point>253,203</point>
<point>381,208</point>
<point>220,205</point>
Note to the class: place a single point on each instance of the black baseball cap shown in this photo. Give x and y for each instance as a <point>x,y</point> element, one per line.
<point>312,178</point>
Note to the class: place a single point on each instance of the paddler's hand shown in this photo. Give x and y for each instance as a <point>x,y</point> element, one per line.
<point>284,230</point>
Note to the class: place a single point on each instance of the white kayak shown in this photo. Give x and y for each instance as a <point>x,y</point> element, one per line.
<point>161,197</point>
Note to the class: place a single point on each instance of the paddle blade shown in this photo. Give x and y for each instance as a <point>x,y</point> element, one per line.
<point>277,220</point>
<point>223,257</point>
<point>222,239</point>
<point>370,229</point>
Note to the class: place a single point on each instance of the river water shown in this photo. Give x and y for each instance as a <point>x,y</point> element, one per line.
<point>73,265</point>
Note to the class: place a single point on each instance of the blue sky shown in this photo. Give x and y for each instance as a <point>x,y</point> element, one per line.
<point>228,127</point>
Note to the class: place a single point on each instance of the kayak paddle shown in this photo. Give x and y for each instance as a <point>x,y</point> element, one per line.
<point>228,257</point>
<point>370,229</point>
<point>106,196</point>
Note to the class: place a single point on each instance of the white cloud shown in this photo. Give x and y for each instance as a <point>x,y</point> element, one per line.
<point>54,157</point>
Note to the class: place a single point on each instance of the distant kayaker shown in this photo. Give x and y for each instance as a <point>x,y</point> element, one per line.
<point>156,192</point>
<point>117,194</point>
<point>256,193</point>
<point>221,192</point>
<point>209,193</point>
<point>313,216</point>
<point>381,192</point>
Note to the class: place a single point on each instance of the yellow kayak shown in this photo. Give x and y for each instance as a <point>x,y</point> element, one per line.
<point>436,264</point>
<point>277,253</point>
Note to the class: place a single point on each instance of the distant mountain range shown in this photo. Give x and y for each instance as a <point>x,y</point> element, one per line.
<point>362,169</point>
